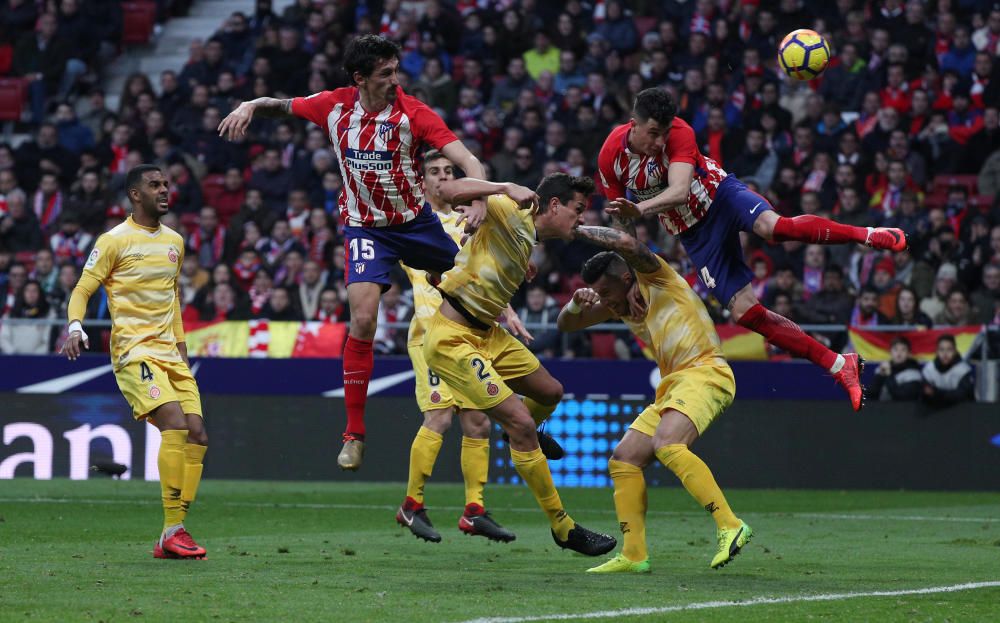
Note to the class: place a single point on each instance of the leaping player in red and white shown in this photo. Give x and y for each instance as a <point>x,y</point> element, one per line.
<point>652,165</point>
<point>379,133</point>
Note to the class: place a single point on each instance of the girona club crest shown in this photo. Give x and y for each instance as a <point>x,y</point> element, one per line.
<point>154,392</point>
<point>172,255</point>
<point>492,388</point>
<point>435,397</point>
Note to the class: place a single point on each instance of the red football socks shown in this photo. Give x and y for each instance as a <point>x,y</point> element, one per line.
<point>358,363</point>
<point>787,335</point>
<point>817,230</point>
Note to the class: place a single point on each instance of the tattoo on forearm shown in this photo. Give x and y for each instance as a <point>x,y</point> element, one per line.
<point>635,253</point>
<point>625,225</point>
<point>272,107</point>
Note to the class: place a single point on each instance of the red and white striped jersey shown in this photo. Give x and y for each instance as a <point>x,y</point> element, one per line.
<point>638,177</point>
<point>378,152</point>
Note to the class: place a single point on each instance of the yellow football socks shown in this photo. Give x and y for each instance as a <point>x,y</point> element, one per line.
<point>475,465</point>
<point>193,457</point>
<point>534,470</point>
<point>423,454</point>
<point>699,482</point>
<point>538,411</point>
<point>170,462</point>
<point>630,506</point>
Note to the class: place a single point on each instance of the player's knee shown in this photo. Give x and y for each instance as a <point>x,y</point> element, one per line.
<point>363,324</point>
<point>438,421</point>
<point>552,393</point>
<point>477,430</point>
<point>198,437</point>
<point>521,429</point>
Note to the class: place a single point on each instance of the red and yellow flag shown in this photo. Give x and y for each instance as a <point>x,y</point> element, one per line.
<point>874,345</point>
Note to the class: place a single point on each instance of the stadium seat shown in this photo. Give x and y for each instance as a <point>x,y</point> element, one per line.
<point>12,94</point>
<point>602,346</point>
<point>138,19</point>
<point>645,24</point>
<point>211,188</point>
<point>942,183</point>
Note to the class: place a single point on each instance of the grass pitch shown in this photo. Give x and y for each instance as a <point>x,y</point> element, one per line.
<point>80,551</point>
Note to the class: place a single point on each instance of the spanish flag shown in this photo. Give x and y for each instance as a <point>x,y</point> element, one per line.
<point>740,343</point>
<point>874,345</point>
<point>262,338</point>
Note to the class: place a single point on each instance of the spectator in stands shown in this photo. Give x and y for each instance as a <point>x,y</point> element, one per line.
<point>832,304</point>
<point>223,304</point>
<point>88,201</point>
<point>45,272</point>
<point>281,306</point>
<point>207,241</point>
<point>866,313</point>
<point>45,154</point>
<point>884,282</point>
<point>756,163</point>
<point>392,309</point>
<point>27,339</point>
<point>44,59</point>
<point>944,282</point>
<point>331,308</point>
<point>73,134</point>
<point>48,201</point>
<point>71,244</point>
<point>947,379</point>
<point>272,179</point>
<point>898,379</point>
<point>185,192</point>
<point>907,312</point>
<point>957,312</point>
<point>984,300</point>
<point>19,229</point>
<point>540,308</point>
<point>310,288</point>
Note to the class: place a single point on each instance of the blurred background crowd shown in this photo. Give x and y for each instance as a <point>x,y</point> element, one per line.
<point>902,130</point>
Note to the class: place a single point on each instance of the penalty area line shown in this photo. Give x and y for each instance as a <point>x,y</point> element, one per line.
<point>756,601</point>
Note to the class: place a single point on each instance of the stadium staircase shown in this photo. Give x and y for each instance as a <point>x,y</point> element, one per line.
<point>169,49</point>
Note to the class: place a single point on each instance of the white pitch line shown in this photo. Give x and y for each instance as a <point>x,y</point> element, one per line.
<point>756,601</point>
<point>515,509</point>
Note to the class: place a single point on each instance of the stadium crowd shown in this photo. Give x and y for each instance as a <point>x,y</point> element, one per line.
<point>902,130</point>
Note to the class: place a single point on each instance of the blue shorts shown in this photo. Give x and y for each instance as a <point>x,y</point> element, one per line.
<point>713,244</point>
<point>422,244</point>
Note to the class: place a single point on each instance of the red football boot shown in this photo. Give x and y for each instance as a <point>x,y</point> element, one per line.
<point>849,378</point>
<point>887,239</point>
<point>159,553</point>
<point>181,545</point>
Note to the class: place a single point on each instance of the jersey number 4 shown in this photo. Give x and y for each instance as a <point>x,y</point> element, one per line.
<point>362,249</point>
<point>145,374</point>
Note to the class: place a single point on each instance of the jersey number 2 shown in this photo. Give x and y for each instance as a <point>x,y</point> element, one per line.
<point>363,251</point>
<point>145,374</point>
<point>480,367</point>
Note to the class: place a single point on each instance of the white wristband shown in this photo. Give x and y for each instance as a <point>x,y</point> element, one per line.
<point>74,326</point>
<point>572,307</point>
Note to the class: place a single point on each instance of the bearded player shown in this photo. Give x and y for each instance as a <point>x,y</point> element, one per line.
<point>378,133</point>
<point>138,263</point>
<point>652,166</point>
<point>696,385</point>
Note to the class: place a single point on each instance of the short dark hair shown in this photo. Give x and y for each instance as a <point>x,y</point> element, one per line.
<point>563,186</point>
<point>432,155</point>
<point>134,177</point>
<point>947,338</point>
<point>867,290</point>
<point>901,339</point>
<point>655,104</point>
<point>601,264</point>
<point>365,52</point>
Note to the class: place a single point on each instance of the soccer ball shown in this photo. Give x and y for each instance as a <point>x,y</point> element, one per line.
<point>803,54</point>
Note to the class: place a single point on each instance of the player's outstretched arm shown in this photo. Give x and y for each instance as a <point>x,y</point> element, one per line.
<point>679,175</point>
<point>636,254</point>
<point>236,123</point>
<point>583,310</point>
<point>467,189</point>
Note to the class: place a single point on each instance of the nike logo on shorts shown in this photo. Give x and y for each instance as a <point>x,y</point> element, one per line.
<point>754,209</point>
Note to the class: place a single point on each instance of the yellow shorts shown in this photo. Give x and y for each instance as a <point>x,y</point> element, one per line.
<point>475,363</point>
<point>149,383</point>
<point>432,392</point>
<point>701,393</point>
